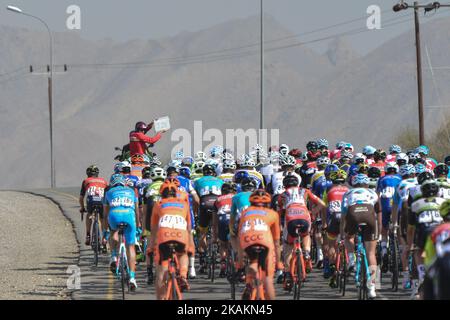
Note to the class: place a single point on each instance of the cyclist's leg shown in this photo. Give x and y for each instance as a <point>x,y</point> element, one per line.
<point>88,223</point>
<point>113,221</point>
<point>130,238</point>
<point>162,267</point>
<point>370,238</point>
<point>269,269</point>
<point>350,229</point>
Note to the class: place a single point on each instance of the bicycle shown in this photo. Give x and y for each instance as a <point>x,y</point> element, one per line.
<point>122,269</point>
<point>231,271</point>
<point>394,259</point>
<point>297,265</point>
<point>212,252</point>
<point>173,289</point>
<point>341,267</point>
<point>95,234</point>
<point>257,287</point>
<point>362,275</point>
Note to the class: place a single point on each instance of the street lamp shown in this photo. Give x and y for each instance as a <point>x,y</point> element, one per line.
<point>50,90</point>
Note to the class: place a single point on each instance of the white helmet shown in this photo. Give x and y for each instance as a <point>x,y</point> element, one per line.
<point>124,164</point>
<point>228,156</point>
<point>179,155</point>
<point>158,173</point>
<point>287,161</point>
<point>200,156</point>
<point>359,156</point>
<point>198,166</point>
<point>212,162</point>
<point>284,149</point>
<point>402,156</point>
<point>155,162</point>
<point>323,161</point>
<point>229,164</point>
<point>391,165</point>
<point>249,162</point>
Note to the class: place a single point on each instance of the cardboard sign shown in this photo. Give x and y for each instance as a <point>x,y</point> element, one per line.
<point>161,124</point>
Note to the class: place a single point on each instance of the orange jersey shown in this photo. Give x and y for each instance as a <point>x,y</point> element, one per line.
<point>258,226</point>
<point>172,218</point>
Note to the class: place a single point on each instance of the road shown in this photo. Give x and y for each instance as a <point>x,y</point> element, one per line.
<point>99,283</point>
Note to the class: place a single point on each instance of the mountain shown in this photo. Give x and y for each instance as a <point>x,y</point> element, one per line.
<point>96,102</point>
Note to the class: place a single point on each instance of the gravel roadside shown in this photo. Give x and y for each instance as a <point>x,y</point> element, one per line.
<point>38,246</point>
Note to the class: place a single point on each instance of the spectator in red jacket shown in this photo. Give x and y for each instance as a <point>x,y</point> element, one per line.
<point>138,139</point>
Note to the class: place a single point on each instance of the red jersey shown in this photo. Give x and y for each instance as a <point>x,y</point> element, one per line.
<point>379,165</point>
<point>296,195</point>
<point>138,141</point>
<point>94,188</point>
<point>223,204</point>
<point>334,198</point>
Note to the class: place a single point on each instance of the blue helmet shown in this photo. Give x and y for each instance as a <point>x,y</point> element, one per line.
<point>185,171</point>
<point>240,176</point>
<point>368,150</point>
<point>322,143</point>
<point>395,149</point>
<point>187,162</point>
<point>419,168</point>
<point>340,145</point>
<point>117,179</point>
<point>423,149</point>
<point>329,169</point>
<point>360,179</point>
<point>407,169</point>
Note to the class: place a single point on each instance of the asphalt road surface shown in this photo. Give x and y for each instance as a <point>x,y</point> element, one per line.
<point>99,283</point>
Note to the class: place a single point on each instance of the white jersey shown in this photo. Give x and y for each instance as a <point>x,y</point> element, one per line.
<point>277,181</point>
<point>358,196</point>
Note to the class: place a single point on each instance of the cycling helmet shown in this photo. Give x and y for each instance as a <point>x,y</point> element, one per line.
<point>92,170</point>
<point>359,158</point>
<point>379,154</point>
<point>429,188</point>
<point>260,196</point>
<point>368,150</point>
<point>284,149</point>
<point>240,176</point>
<point>311,146</point>
<point>407,170</point>
<point>200,156</point>
<point>374,173</point>
<point>290,181</point>
<point>155,162</point>
<point>420,168</point>
<point>227,156</point>
<point>209,170</point>
<point>229,165</point>
<point>402,159</point>
<point>198,166</point>
<point>185,172</point>
<point>296,153</point>
<point>146,172</point>
<point>391,168</point>
<point>441,170</point>
<point>216,151</point>
<point>158,173</point>
<point>395,149</point>
<point>213,162</point>
<point>322,144</point>
<point>363,168</point>
<point>329,169</point>
<point>125,167</point>
<point>339,176</point>
<point>170,170</point>
<point>116,180</point>
<point>422,150</point>
<point>249,162</point>
<point>169,188</point>
<point>187,162</point>
<point>228,187</point>
<point>258,148</point>
<point>360,179</point>
<point>346,155</point>
<point>424,176</point>
<point>137,158</point>
<point>116,168</point>
<point>323,161</point>
<point>447,160</point>
<point>348,147</point>
<point>287,161</point>
<point>140,126</point>
<point>340,145</point>
<point>413,157</point>
<point>174,163</point>
<point>248,184</point>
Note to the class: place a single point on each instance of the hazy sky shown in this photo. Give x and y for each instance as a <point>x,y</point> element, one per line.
<point>150,19</point>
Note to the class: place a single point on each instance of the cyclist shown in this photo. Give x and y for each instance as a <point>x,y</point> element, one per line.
<point>239,203</point>
<point>171,224</point>
<point>379,157</point>
<point>221,222</point>
<point>309,166</point>
<point>276,185</point>
<point>385,189</point>
<point>138,139</point>
<point>423,152</point>
<point>138,162</point>
<point>369,152</point>
<point>151,197</point>
<point>229,167</point>
<point>423,217</point>
<point>141,185</point>
<point>121,206</point>
<point>401,204</point>
<point>318,177</point>
<point>248,165</point>
<point>394,151</point>
<point>322,145</point>
<point>358,206</point>
<point>290,202</point>
<point>374,175</point>
<point>93,188</point>
<point>259,226</point>
<point>333,201</point>
<point>344,161</point>
<point>336,153</point>
<point>197,167</point>
<point>208,188</point>
<point>441,173</point>
<point>358,160</point>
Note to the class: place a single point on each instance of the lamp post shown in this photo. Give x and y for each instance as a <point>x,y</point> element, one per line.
<point>50,90</point>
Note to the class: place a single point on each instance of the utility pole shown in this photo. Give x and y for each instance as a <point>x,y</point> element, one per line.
<point>261,115</point>
<point>427,7</point>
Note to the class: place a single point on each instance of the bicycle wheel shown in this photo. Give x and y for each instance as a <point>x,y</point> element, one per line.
<point>343,276</point>
<point>95,241</point>
<point>174,286</point>
<point>230,272</point>
<point>122,275</point>
<point>299,271</point>
<point>394,257</point>
<point>213,261</point>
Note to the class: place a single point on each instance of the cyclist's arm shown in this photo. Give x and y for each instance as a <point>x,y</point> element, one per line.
<point>232,218</point>
<point>144,138</point>
<point>136,212</point>
<point>411,227</point>
<point>276,233</point>
<point>81,199</point>
<point>106,215</point>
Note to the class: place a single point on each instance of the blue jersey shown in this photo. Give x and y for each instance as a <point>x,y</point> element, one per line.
<point>134,179</point>
<point>208,185</point>
<point>386,189</point>
<point>121,200</point>
<point>353,171</point>
<point>321,186</point>
<point>239,203</point>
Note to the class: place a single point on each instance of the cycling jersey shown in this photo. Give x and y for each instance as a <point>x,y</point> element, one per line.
<point>277,181</point>
<point>94,188</point>
<point>358,196</point>
<point>223,206</point>
<point>254,175</point>
<point>239,203</point>
<point>321,186</point>
<point>386,188</point>
<point>379,165</point>
<point>122,201</point>
<point>391,158</point>
<point>141,185</point>
<point>334,198</point>
<point>172,218</point>
<point>444,188</point>
<point>402,192</point>
<point>151,192</point>
<point>208,185</point>
<point>267,171</point>
<point>196,176</point>
<point>296,195</point>
<point>136,169</point>
<point>430,164</point>
<point>306,172</point>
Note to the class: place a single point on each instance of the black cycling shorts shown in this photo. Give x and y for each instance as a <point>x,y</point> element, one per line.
<point>422,232</point>
<point>362,213</point>
<point>334,224</point>
<point>165,252</point>
<point>207,209</point>
<point>252,254</point>
<point>91,205</point>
